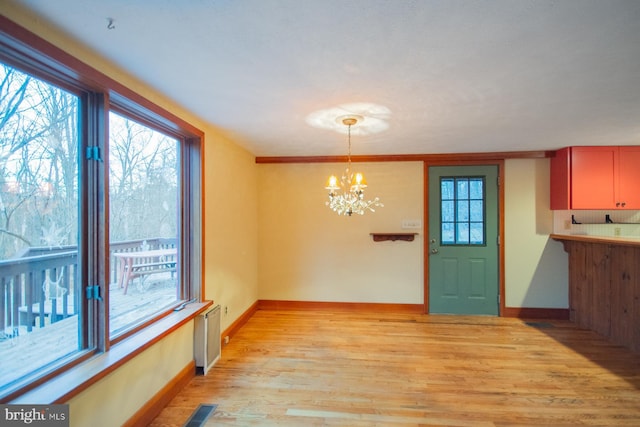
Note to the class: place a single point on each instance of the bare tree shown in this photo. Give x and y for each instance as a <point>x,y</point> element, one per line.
<point>143,181</point>
<point>38,162</point>
<point>39,140</point>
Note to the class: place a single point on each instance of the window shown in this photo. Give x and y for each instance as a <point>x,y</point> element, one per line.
<point>40,292</point>
<point>99,213</point>
<point>143,222</point>
<point>462,211</point>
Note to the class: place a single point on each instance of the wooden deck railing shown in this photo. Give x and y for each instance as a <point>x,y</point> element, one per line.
<point>36,286</point>
<point>42,284</point>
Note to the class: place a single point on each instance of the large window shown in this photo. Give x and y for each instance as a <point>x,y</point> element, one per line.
<point>98,188</point>
<point>40,291</point>
<point>143,222</point>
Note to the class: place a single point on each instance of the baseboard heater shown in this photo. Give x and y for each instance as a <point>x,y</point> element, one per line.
<point>207,340</point>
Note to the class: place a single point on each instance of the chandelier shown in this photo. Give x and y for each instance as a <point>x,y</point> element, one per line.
<point>346,197</point>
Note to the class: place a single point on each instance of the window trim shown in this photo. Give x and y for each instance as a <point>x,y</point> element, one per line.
<point>99,93</point>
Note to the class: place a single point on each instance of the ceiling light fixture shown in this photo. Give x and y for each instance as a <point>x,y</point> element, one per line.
<point>346,197</point>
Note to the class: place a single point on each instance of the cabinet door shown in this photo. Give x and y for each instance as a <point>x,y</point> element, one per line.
<point>560,179</point>
<point>629,177</point>
<point>593,177</point>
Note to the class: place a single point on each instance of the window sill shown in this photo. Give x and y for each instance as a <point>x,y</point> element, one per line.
<point>72,382</point>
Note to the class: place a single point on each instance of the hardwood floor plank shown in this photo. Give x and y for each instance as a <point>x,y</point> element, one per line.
<point>293,368</point>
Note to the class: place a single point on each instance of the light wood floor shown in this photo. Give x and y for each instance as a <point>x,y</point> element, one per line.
<point>353,369</point>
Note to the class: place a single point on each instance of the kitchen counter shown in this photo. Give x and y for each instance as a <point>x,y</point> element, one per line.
<point>604,285</point>
<point>611,240</point>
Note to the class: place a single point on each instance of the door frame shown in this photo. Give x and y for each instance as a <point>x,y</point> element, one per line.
<point>500,164</point>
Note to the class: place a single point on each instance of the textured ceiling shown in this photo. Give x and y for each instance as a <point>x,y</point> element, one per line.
<point>455,76</point>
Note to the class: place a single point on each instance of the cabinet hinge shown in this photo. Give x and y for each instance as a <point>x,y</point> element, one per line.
<point>93,292</point>
<point>93,153</point>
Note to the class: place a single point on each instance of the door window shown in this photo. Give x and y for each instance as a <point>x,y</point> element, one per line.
<point>462,211</point>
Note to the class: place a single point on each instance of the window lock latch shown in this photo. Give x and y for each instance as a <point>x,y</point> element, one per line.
<point>93,292</point>
<point>93,153</point>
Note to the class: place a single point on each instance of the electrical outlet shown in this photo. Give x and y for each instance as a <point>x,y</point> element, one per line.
<point>616,231</point>
<point>226,310</point>
<point>567,224</point>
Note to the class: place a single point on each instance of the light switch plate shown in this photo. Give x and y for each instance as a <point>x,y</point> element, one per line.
<point>411,223</point>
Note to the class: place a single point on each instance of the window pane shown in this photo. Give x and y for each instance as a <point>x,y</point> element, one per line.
<point>463,188</point>
<point>143,228</point>
<point>476,233</point>
<point>446,186</point>
<point>476,208</point>
<point>475,189</point>
<point>462,210</point>
<point>447,211</point>
<point>40,290</point>
<point>462,233</point>
<point>447,233</point>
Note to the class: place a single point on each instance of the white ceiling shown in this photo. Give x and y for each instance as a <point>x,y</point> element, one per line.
<point>456,75</point>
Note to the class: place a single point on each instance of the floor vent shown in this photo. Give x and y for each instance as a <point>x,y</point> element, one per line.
<point>540,325</point>
<point>200,415</point>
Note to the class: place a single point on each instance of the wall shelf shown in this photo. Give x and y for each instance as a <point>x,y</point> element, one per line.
<point>383,237</point>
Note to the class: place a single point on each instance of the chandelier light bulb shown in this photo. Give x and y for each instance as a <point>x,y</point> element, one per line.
<point>332,183</point>
<point>358,182</point>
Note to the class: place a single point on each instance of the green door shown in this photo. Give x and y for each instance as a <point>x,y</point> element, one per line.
<point>463,240</point>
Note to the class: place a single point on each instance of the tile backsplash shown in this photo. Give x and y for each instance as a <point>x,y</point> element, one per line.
<point>593,223</point>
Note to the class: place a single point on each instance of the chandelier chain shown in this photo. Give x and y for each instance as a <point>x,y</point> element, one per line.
<point>349,156</point>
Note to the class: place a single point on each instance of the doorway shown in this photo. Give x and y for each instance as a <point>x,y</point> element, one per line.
<point>463,240</point>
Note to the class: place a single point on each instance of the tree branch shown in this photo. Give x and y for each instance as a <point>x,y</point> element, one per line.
<point>15,235</point>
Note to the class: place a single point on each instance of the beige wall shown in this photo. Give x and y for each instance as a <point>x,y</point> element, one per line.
<point>115,398</point>
<point>309,253</point>
<point>231,229</point>
<point>536,267</point>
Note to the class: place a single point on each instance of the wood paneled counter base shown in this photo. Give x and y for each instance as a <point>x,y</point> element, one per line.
<point>604,286</point>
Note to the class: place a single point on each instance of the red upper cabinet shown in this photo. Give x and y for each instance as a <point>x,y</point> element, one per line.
<point>596,178</point>
<point>629,162</point>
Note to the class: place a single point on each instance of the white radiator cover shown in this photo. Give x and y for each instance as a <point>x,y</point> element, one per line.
<point>207,339</point>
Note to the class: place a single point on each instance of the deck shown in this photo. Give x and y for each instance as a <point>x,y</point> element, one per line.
<point>22,350</point>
